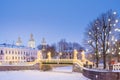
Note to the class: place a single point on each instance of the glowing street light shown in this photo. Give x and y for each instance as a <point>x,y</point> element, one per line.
<point>86,50</point>
<point>108,50</point>
<point>119,53</point>
<point>99,53</point>
<point>88,41</point>
<point>115,40</point>
<point>117,29</point>
<point>110,32</point>
<point>116,20</point>
<point>110,24</point>
<point>98,28</point>
<point>89,33</point>
<point>112,52</point>
<point>114,12</point>
<point>112,38</point>
<point>114,24</point>
<point>60,54</point>
<point>109,19</point>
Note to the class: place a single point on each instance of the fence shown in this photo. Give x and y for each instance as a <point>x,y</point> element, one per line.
<point>116,67</point>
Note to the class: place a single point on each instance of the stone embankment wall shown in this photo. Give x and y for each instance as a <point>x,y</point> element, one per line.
<point>12,68</point>
<point>101,75</point>
<point>76,68</point>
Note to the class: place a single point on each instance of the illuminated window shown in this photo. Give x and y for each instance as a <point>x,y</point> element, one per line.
<point>1,52</point>
<point>15,52</point>
<point>12,52</point>
<point>18,52</point>
<point>6,58</point>
<point>13,57</point>
<point>24,58</point>
<point>6,51</point>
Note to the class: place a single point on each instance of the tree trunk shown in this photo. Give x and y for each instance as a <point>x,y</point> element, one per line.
<point>104,60</point>
<point>97,61</point>
<point>118,58</point>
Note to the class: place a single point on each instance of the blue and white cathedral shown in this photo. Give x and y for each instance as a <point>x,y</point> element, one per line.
<point>17,53</point>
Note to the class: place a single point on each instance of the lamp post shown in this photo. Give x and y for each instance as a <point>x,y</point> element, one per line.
<point>60,54</point>
<point>59,57</point>
<point>118,43</point>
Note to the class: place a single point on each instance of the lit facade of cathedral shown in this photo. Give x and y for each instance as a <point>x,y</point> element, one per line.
<point>14,54</point>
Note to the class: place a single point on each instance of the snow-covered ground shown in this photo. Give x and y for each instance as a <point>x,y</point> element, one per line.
<point>64,73</point>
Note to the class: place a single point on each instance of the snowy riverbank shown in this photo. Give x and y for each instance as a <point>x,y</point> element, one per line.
<point>63,73</point>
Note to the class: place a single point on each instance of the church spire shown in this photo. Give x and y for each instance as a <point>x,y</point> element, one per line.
<point>19,42</point>
<point>43,44</point>
<point>31,37</point>
<point>43,41</point>
<point>31,42</point>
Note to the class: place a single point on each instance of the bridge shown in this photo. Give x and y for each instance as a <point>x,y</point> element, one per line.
<point>51,61</point>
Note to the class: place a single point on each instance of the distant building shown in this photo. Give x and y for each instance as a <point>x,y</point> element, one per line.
<point>12,54</point>
<point>69,54</point>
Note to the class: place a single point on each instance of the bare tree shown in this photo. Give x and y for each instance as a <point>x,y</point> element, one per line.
<point>100,32</point>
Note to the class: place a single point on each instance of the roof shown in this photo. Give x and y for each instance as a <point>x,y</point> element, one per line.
<point>14,46</point>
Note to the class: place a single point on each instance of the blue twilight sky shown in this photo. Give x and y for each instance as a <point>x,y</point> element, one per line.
<point>51,19</point>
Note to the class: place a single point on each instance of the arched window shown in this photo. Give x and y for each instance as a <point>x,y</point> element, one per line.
<point>9,52</point>
<point>15,52</point>
<point>12,57</point>
<point>18,52</point>
<point>1,52</point>
<point>24,53</point>
<point>6,51</point>
<point>12,52</point>
<point>6,57</point>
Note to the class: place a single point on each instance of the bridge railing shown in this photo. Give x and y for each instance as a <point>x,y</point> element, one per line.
<point>57,61</point>
<point>116,67</point>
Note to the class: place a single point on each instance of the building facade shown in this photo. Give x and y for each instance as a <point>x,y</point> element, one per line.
<point>13,54</point>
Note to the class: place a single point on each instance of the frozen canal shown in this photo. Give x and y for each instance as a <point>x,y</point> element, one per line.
<point>63,73</point>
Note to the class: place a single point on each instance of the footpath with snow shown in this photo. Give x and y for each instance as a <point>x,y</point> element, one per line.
<point>61,73</point>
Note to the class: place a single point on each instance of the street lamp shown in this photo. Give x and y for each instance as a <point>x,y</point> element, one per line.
<point>60,54</point>
<point>59,57</point>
